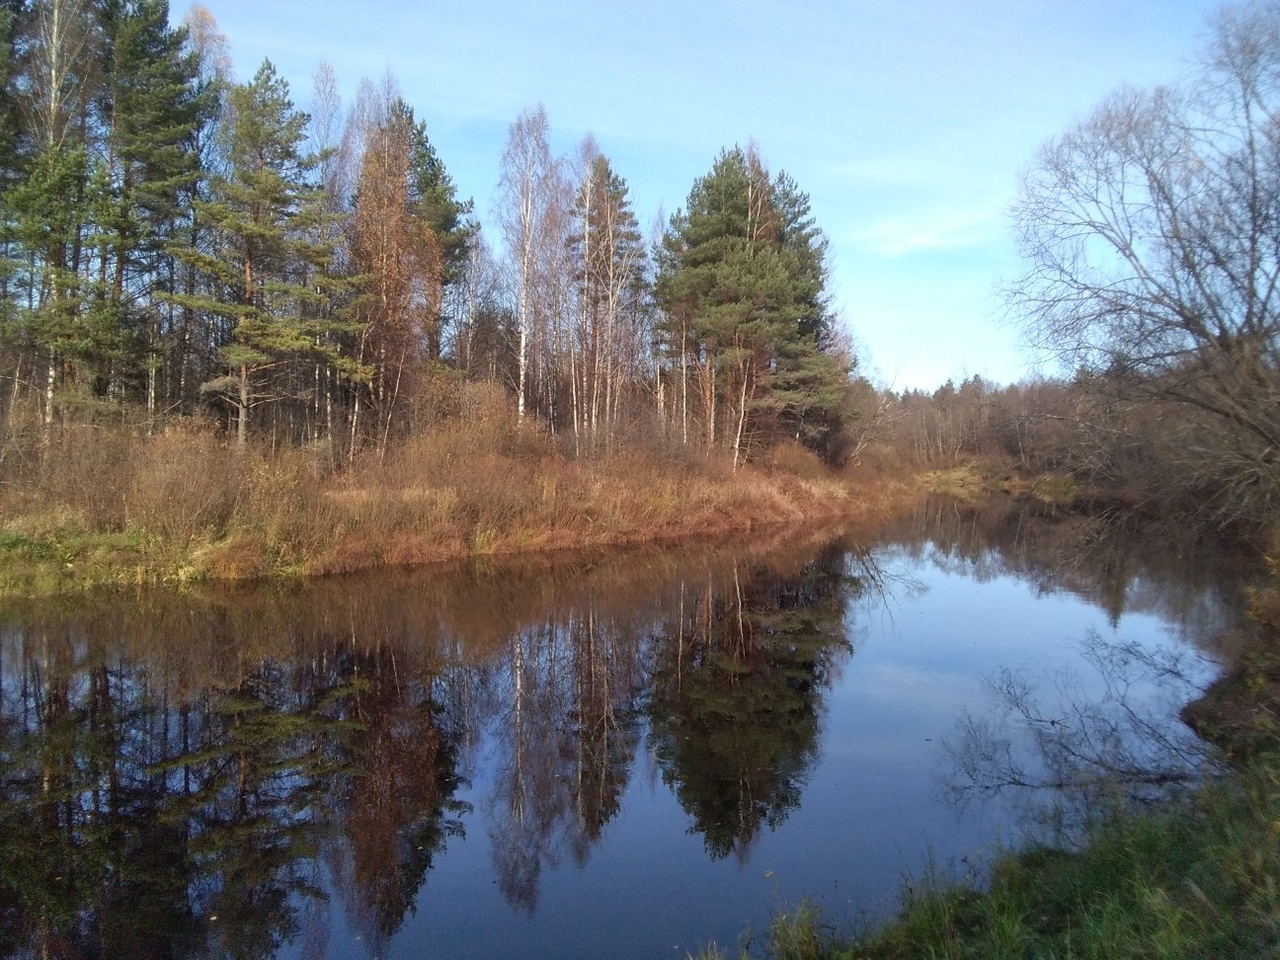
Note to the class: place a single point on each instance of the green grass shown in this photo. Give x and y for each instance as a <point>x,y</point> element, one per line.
<point>45,561</point>
<point>1199,878</point>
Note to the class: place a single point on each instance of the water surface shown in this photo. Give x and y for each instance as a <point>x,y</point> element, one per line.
<point>616,755</point>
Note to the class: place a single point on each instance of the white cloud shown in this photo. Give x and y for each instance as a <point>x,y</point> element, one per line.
<point>929,231</point>
<point>896,170</point>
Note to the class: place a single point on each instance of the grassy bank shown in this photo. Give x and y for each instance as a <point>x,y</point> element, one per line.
<point>91,506</point>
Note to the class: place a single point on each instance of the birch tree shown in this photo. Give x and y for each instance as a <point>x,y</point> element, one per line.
<point>608,262</point>
<point>49,208</point>
<point>525,192</point>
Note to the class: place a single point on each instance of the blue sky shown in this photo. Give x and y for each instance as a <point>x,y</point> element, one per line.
<point>908,123</point>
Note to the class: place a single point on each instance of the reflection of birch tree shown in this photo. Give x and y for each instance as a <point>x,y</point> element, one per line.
<point>529,801</point>
<point>569,737</point>
<point>603,721</point>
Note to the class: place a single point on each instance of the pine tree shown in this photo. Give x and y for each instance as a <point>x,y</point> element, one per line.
<point>742,279</point>
<point>436,203</point>
<point>265,269</point>
<point>150,110</point>
<point>96,153</point>
<point>811,375</point>
<point>192,335</point>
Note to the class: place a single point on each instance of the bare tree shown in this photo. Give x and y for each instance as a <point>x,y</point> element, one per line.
<point>1151,233</point>
<point>528,173</point>
<point>332,146</point>
<point>607,261</point>
<point>329,141</point>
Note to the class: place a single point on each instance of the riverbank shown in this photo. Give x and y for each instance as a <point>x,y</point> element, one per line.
<point>117,507</point>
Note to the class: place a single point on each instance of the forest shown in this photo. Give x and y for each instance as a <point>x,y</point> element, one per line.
<point>239,336</point>
<point>180,244</point>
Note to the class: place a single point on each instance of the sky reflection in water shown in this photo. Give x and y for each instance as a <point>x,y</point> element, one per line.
<point>621,756</point>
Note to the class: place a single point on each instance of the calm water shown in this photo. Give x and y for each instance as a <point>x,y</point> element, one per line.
<point>619,756</point>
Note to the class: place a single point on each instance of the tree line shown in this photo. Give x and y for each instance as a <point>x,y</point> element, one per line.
<point>174,242</point>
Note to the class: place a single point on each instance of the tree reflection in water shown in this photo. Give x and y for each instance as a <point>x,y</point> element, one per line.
<point>394,802</point>
<point>138,826</point>
<point>1078,747</point>
<point>184,774</point>
<point>736,696</point>
<point>570,735</point>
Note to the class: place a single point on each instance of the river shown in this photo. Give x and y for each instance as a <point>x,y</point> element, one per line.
<point>624,754</point>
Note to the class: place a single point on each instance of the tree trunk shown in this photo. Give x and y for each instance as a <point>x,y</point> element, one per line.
<point>242,409</point>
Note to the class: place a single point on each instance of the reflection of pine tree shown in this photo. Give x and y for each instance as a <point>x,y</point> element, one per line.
<point>256,776</point>
<point>88,867</point>
<point>135,826</point>
<point>397,802</point>
<point>736,702</point>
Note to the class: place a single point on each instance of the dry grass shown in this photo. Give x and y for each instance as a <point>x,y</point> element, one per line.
<point>478,484</point>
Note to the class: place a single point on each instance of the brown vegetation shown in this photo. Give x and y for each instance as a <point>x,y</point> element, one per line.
<point>1240,713</point>
<point>114,504</point>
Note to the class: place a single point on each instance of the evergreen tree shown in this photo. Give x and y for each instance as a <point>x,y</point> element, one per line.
<point>95,149</point>
<point>742,280</point>
<point>436,203</point>
<point>265,267</point>
<point>810,379</point>
<point>193,336</point>
<point>46,214</point>
<point>150,110</point>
